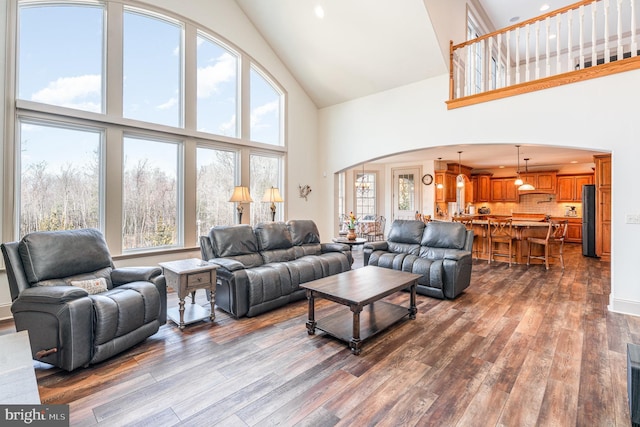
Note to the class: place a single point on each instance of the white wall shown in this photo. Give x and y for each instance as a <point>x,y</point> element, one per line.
<point>594,114</point>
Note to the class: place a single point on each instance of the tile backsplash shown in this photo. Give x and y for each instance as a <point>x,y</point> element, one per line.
<point>532,203</point>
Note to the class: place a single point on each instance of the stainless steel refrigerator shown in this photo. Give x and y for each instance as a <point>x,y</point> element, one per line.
<point>589,220</point>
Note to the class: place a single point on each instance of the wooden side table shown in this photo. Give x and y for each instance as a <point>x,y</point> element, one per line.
<point>186,276</point>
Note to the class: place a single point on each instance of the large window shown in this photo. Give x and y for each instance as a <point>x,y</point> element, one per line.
<point>130,120</point>
<point>61,56</point>
<point>152,71</point>
<point>60,177</point>
<point>150,193</point>
<point>216,179</point>
<point>366,195</point>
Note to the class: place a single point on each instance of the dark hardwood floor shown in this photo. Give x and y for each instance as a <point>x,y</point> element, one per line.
<point>521,347</point>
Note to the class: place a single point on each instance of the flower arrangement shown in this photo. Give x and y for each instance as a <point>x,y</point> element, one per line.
<point>352,221</point>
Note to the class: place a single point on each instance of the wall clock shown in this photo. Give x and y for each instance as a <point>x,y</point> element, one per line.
<point>427,179</point>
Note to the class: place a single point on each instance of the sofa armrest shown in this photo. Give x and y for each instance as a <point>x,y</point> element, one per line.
<point>456,254</point>
<point>51,294</point>
<point>229,264</point>
<point>122,275</point>
<point>377,246</point>
<point>334,247</point>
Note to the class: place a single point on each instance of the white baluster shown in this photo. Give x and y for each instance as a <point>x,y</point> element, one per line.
<point>508,66</point>
<point>546,56</point>
<point>607,53</point>
<point>537,50</point>
<point>570,64</point>
<point>558,66</point>
<point>517,55</point>
<point>594,52</point>
<point>527,72</point>
<point>620,44</point>
<point>634,41</point>
<point>489,62</point>
<point>482,74</point>
<point>499,84</point>
<point>581,39</point>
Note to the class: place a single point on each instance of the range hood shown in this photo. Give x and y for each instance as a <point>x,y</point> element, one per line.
<point>537,191</point>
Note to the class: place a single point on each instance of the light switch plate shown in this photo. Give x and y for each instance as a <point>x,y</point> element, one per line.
<point>632,219</point>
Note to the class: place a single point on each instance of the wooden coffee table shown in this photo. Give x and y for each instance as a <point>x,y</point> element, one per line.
<point>356,289</point>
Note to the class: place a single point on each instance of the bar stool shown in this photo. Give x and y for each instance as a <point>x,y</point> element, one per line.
<point>556,234</point>
<point>501,231</point>
<point>468,224</point>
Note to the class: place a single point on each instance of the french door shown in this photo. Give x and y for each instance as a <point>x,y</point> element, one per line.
<point>406,192</point>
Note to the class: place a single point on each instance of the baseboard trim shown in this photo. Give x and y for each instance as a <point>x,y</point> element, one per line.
<point>624,306</point>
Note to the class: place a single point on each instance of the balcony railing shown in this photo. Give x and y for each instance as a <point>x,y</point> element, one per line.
<point>584,40</point>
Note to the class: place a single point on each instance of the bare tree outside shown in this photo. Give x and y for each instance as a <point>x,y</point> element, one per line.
<point>60,179</point>
<point>150,194</point>
<point>215,182</point>
<point>265,173</point>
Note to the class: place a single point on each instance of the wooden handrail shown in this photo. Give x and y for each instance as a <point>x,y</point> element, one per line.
<point>525,23</point>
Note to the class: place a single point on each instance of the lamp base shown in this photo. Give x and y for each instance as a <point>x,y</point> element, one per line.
<point>273,216</point>
<point>239,217</point>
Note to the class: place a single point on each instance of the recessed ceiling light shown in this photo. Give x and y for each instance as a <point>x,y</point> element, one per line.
<point>552,36</point>
<point>544,7</point>
<point>574,161</point>
<point>514,19</point>
<point>319,11</point>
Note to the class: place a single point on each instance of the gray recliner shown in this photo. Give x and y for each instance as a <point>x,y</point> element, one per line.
<point>49,274</point>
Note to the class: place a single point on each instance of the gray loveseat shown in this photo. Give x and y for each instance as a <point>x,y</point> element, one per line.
<point>261,268</point>
<point>79,309</point>
<point>439,251</point>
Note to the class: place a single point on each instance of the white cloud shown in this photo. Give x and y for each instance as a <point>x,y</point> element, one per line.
<point>72,92</point>
<point>167,105</point>
<point>210,77</point>
<point>263,110</point>
<point>228,128</point>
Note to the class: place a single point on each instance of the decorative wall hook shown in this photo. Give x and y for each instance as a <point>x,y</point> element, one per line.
<point>304,191</point>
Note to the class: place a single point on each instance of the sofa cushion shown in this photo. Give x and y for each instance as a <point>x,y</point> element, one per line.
<point>273,235</point>
<point>103,273</point>
<point>237,242</point>
<point>406,231</point>
<point>303,231</point>
<point>54,254</point>
<point>444,235</point>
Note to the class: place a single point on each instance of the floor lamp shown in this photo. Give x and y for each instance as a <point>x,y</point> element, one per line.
<point>272,195</point>
<point>240,195</point>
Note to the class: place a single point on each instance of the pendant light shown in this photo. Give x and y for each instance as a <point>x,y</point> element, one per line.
<point>526,186</point>
<point>459,178</point>
<point>518,180</point>
<point>362,185</point>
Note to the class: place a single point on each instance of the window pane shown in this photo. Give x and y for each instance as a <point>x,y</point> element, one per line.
<point>406,192</point>
<point>265,110</point>
<point>60,56</point>
<point>217,89</point>
<point>59,178</point>
<point>150,193</point>
<point>152,70</point>
<point>216,179</point>
<point>265,173</point>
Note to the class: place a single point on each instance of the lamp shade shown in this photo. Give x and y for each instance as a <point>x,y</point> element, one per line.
<point>241,194</point>
<point>272,195</point>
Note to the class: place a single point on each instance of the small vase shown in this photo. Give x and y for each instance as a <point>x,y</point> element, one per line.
<point>351,234</point>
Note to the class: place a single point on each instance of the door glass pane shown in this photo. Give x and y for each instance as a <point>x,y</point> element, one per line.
<point>150,193</point>
<point>216,179</point>
<point>59,178</point>
<point>61,56</point>
<point>217,88</point>
<point>406,192</point>
<point>152,63</point>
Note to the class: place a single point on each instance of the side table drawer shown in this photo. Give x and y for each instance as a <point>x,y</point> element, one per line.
<point>199,279</point>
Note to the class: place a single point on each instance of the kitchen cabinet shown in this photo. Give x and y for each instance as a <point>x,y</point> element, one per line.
<point>569,187</point>
<point>504,190</point>
<point>602,180</point>
<point>448,191</point>
<point>481,188</point>
<point>542,181</point>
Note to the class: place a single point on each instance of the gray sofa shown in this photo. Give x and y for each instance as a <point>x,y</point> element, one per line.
<point>79,309</point>
<point>261,268</point>
<point>439,251</point>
